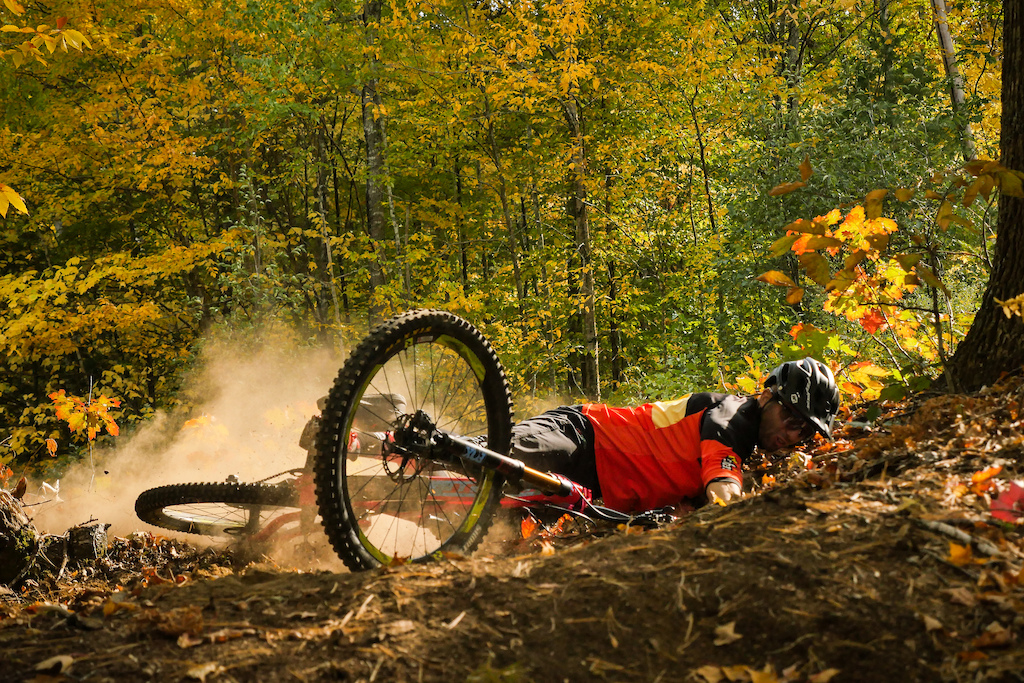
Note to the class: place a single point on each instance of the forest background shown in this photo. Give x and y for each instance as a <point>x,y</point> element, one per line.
<point>608,189</point>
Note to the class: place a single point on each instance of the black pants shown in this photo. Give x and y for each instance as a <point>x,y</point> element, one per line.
<point>560,440</point>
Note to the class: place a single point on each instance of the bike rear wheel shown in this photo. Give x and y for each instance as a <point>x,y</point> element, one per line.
<point>230,510</point>
<point>378,509</point>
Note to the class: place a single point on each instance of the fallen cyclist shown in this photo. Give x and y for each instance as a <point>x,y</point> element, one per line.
<point>662,454</point>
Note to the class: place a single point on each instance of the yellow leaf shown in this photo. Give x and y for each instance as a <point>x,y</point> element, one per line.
<point>1010,183</point>
<point>710,674</point>
<point>960,555</point>
<point>794,296</point>
<point>944,215</point>
<point>873,203</point>
<point>774,277</point>
<point>14,7</point>
<point>786,188</point>
<point>9,195</point>
<point>905,195</point>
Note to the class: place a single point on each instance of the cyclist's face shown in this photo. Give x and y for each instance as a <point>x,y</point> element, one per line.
<point>782,427</point>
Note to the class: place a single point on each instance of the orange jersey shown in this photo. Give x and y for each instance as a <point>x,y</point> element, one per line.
<point>656,454</point>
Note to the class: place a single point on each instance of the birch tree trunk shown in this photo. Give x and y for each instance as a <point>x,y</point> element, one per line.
<point>956,81</point>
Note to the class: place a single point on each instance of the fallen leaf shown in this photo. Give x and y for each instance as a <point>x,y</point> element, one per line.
<point>823,676</point>
<point>397,628</point>
<point>710,674</point>
<point>1009,506</point>
<point>931,623</point>
<point>961,596</point>
<point>994,635</point>
<point>201,671</point>
<point>971,656</point>
<point>962,555</point>
<point>187,640</point>
<point>737,673</point>
<point>55,665</point>
<point>766,676</point>
<point>726,634</point>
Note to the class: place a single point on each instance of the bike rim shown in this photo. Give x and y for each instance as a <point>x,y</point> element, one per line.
<point>407,510</point>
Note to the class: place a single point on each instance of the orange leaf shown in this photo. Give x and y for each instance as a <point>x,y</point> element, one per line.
<point>786,188</point>
<point>774,277</point>
<point>805,169</point>
<point>962,555</point>
<point>51,447</point>
<point>986,474</point>
<point>872,321</point>
<point>528,527</point>
<point>794,296</point>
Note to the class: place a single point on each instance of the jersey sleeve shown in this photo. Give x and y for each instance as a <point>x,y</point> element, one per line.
<point>718,461</point>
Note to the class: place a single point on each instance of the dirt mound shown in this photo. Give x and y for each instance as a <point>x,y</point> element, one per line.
<point>878,558</point>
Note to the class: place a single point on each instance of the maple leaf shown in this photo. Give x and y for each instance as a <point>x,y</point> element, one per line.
<point>1009,506</point>
<point>872,321</point>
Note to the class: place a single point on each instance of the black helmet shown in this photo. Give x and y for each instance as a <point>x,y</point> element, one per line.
<point>808,387</point>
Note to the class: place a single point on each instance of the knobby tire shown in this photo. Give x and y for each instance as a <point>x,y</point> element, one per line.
<point>214,509</point>
<point>377,511</point>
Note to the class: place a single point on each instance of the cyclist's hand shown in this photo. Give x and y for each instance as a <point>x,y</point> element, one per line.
<point>577,499</point>
<point>723,490</point>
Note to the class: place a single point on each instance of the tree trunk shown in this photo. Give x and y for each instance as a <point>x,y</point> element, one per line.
<point>591,384</point>
<point>18,538</point>
<point>374,139</point>
<point>995,343</point>
<point>506,214</point>
<point>956,82</point>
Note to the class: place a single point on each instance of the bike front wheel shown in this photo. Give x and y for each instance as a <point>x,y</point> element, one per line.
<point>232,510</point>
<point>378,509</point>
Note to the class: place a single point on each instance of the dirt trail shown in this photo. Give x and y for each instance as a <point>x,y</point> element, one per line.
<point>883,562</point>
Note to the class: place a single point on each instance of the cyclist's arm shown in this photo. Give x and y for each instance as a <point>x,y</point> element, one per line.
<point>720,471</point>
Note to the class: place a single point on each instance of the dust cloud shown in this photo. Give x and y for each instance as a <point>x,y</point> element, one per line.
<point>250,405</point>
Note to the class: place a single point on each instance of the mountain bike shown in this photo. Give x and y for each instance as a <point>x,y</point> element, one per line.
<point>409,461</point>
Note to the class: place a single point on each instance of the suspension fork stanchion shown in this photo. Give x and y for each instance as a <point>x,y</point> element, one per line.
<point>512,469</point>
